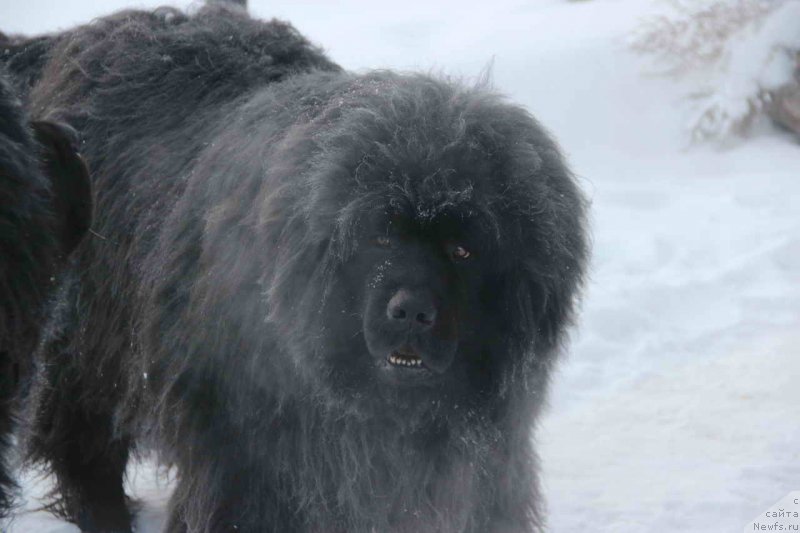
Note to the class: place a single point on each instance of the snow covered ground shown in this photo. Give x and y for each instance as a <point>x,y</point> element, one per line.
<point>678,407</point>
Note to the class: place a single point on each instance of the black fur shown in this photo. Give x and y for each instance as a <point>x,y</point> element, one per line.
<point>45,209</point>
<point>23,59</point>
<point>265,218</point>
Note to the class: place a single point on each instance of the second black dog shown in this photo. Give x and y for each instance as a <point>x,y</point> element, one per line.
<point>45,210</point>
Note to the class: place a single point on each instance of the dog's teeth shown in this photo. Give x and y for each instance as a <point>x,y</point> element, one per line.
<point>407,360</point>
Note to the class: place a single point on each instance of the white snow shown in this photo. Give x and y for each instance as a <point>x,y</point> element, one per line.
<point>678,406</point>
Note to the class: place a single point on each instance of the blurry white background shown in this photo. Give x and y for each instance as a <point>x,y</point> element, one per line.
<point>678,405</point>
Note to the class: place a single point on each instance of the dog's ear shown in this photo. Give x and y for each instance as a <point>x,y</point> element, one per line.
<point>69,181</point>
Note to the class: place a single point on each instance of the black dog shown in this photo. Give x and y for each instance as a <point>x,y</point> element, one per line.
<point>45,209</point>
<point>331,300</point>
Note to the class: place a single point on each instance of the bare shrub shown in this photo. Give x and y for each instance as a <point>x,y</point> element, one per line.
<point>733,55</point>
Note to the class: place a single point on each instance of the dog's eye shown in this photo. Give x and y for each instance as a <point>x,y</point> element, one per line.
<point>382,240</point>
<point>460,253</point>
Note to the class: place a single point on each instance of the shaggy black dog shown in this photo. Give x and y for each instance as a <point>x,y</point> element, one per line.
<point>45,209</point>
<point>331,300</point>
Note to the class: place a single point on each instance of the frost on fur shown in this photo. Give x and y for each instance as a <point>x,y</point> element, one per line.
<point>734,56</point>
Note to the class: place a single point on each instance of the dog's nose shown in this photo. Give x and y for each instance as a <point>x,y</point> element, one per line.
<point>413,308</point>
